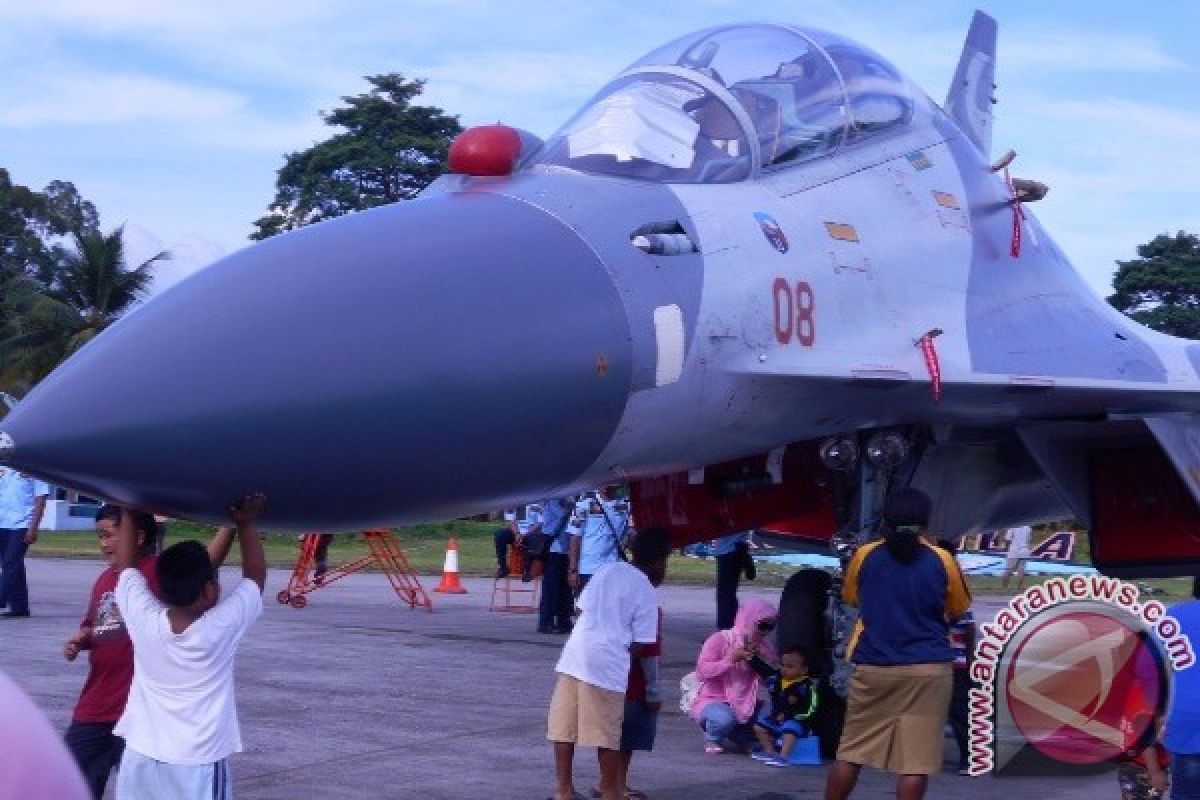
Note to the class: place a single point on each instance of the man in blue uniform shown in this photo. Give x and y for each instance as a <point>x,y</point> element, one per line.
<point>557,605</point>
<point>22,501</point>
<point>598,538</point>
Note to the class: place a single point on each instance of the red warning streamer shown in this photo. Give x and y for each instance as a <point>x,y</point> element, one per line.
<point>1018,215</point>
<point>932,365</point>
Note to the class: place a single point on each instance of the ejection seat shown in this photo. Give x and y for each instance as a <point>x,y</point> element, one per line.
<point>722,154</point>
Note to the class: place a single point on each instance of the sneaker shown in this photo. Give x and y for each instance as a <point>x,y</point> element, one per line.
<point>527,575</point>
<point>761,755</point>
<point>964,771</point>
<point>501,572</point>
<point>546,629</point>
<point>776,761</point>
<point>713,749</point>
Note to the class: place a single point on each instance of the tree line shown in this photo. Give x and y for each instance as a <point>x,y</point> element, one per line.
<point>63,280</point>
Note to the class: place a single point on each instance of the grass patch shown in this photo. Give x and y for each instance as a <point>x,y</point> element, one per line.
<point>425,546</point>
<point>426,549</point>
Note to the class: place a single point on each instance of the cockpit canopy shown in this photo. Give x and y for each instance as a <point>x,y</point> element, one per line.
<point>715,106</point>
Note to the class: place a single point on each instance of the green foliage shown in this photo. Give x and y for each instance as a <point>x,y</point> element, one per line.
<point>32,225</point>
<point>390,150</point>
<point>1161,289</point>
<point>95,281</point>
<point>45,319</point>
<point>30,221</point>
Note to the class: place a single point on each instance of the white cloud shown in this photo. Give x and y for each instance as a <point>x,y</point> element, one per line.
<point>187,256</point>
<point>73,97</point>
<point>534,90</point>
<point>1085,51</point>
<point>113,16</point>
<point>1118,170</point>
<point>252,132</point>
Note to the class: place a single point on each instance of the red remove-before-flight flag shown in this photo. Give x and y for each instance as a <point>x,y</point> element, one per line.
<point>932,366</point>
<point>1018,215</point>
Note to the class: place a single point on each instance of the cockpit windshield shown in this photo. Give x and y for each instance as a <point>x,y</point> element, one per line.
<point>655,126</point>
<point>879,98</point>
<point>714,106</point>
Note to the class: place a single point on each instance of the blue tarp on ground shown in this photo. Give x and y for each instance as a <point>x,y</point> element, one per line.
<point>971,563</point>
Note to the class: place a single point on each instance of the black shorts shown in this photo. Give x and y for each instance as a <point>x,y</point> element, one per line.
<point>638,727</point>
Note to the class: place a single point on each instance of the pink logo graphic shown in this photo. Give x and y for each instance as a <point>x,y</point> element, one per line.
<point>1084,686</point>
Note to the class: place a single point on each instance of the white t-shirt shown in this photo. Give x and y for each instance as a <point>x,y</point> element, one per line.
<point>1018,541</point>
<point>619,607</point>
<point>181,706</point>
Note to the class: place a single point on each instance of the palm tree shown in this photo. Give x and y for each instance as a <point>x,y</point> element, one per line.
<point>98,285</point>
<point>92,287</point>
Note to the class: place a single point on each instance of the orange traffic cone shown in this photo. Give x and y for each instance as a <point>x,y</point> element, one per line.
<point>450,583</point>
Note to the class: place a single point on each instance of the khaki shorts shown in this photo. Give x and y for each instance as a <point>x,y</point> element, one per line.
<point>585,714</point>
<point>895,716</point>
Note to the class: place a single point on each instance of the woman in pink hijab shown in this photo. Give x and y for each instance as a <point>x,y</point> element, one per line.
<point>729,692</point>
<point>36,763</point>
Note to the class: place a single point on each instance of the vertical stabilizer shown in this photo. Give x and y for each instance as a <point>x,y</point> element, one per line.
<point>969,101</point>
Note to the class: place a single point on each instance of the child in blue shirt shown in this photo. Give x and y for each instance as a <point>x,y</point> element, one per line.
<point>793,703</point>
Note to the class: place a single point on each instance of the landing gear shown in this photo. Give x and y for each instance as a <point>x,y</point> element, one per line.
<point>889,458</point>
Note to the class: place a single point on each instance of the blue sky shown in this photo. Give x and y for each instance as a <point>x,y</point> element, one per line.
<point>174,116</point>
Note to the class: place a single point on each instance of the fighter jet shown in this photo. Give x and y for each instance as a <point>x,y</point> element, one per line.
<point>760,276</point>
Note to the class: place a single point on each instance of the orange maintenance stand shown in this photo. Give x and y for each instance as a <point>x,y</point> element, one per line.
<point>510,593</point>
<point>385,553</point>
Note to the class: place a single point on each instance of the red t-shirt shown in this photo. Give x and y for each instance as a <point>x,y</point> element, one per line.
<point>637,680</point>
<point>110,659</point>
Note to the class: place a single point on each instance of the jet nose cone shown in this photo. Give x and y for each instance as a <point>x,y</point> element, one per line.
<point>372,369</point>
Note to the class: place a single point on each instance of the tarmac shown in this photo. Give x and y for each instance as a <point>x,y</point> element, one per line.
<point>358,696</point>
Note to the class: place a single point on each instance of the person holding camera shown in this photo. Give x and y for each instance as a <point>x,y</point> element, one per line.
<point>728,694</point>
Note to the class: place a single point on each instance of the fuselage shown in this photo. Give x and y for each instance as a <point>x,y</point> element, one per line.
<point>503,339</point>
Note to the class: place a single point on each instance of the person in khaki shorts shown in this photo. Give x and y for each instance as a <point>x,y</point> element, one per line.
<point>618,614</point>
<point>906,589</point>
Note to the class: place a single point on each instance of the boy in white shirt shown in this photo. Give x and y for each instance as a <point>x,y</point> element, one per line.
<point>180,723</point>
<point>618,614</point>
